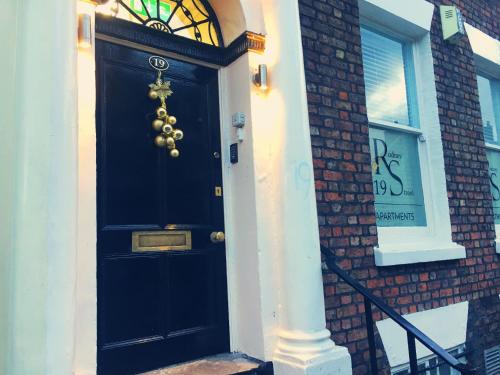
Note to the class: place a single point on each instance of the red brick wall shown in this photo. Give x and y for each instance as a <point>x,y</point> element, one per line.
<point>339,132</point>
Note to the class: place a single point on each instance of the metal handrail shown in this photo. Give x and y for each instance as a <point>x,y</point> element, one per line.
<point>412,332</point>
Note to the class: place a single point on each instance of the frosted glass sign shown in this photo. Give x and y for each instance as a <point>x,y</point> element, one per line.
<point>385,79</point>
<point>490,111</point>
<point>494,172</point>
<point>399,199</point>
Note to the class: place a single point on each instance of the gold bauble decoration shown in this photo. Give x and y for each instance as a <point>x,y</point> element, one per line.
<point>157,125</point>
<point>167,129</point>
<point>178,135</point>
<point>164,124</point>
<point>161,112</point>
<point>172,120</point>
<point>160,141</point>
<point>170,142</point>
<point>153,94</point>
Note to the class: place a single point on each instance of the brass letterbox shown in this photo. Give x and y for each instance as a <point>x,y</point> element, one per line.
<point>161,241</point>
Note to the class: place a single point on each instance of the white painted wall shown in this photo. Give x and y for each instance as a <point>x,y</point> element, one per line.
<point>41,302</point>
<point>8,126</point>
<point>282,125</point>
<point>240,204</point>
<point>85,360</point>
<point>231,18</point>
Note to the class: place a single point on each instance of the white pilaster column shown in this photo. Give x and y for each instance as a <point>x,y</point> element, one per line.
<point>304,345</point>
<point>85,359</point>
<point>41,306</point>
<point>8,120</point>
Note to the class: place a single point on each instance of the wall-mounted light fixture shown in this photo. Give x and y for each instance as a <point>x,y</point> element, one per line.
<point>84,31</point>
<point>260,78</point>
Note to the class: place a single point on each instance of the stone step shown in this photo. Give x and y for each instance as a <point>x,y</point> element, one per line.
<point>222,364</point>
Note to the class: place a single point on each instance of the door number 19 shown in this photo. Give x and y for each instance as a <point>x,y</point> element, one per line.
<point>158,63</point>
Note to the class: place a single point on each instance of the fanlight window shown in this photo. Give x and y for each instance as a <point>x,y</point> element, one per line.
<point>193,19</point>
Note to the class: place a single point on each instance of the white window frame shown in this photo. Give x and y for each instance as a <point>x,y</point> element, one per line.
<point>407,245</point>
<point>486,73</point>
<point>493,147</point>
<point>487,57</point>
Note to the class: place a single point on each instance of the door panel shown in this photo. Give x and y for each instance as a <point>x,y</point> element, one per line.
<point>132,286</point>
<point>127,149</point>
<point>163,307</point>
<point>188,312</point>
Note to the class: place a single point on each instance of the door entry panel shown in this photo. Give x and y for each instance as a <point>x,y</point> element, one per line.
<point>162,294</point>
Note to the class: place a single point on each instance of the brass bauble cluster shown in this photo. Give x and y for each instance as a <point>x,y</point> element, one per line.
<point>164,123</point>
<point>168,135</point>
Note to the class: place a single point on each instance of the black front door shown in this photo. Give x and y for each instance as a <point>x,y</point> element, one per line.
<point>162,295</point>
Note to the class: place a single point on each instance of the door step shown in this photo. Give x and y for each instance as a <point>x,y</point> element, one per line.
<point>222,364</point>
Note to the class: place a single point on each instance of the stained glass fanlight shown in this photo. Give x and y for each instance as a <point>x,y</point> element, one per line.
<point>193,19</point>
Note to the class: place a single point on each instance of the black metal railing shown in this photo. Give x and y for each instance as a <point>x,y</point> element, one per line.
<point>412,332</point>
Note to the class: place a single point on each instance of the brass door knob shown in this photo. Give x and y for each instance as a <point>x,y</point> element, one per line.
<point>217,237</point>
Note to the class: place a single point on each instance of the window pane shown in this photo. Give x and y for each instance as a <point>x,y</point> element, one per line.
<point>494,161</point>
<point>385,80</point>
<point>399,200</point>
<point>487,109</point>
